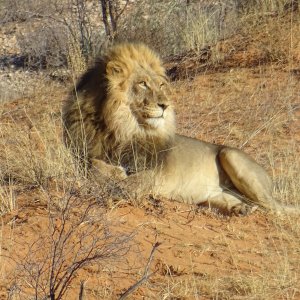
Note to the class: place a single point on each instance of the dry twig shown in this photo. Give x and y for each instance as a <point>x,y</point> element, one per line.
<point>145,276</point>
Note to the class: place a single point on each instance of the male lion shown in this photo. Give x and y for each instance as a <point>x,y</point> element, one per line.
<point>121,119</point>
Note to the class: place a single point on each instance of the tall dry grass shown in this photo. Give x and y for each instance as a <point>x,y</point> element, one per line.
<point>35,154</point>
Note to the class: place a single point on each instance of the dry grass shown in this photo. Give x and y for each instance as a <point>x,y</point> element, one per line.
<point>243,35</point>
<point>35,154</point>
<point>255,109</point>
<point>274,276</point>
<point>7,198</point>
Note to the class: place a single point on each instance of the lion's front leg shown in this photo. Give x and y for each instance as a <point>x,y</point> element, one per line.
<point>103,172</point>
<point>110,178</point>
<point>133,186</point>
<point>101,168</point>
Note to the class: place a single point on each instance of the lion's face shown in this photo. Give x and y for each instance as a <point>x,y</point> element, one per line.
<point>149,102</point>
<point>139,104</point>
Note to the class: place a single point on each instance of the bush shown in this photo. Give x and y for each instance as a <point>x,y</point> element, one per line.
<point>20,11</point>
<point>45,46</point>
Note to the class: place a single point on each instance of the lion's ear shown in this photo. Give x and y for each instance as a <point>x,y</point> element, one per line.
<point>113,68</point>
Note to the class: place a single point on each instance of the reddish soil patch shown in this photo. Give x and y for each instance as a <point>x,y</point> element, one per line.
<point>196,246</point>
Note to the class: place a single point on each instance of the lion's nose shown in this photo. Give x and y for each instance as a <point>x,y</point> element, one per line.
<point>163,106</point>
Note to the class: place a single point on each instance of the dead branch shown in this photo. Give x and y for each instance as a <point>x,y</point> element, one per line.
<point>145,277</point>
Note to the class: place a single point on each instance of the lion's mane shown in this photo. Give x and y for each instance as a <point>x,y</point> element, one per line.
<point>98,122</point>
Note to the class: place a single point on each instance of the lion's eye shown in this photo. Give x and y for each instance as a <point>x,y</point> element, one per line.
<point>143,85</point>
<point>162,85</point>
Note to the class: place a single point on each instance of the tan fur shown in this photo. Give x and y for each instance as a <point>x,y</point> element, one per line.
<point>120,120</point>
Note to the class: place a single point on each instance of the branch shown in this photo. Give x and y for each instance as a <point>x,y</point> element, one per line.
<point>122,10</point>
<point>145,276</point>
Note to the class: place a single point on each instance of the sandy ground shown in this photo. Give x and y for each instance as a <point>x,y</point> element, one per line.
<point>202,255</point>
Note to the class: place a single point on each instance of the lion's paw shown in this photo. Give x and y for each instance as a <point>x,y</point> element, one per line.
<point>243,209</point>
<point>119,173</point>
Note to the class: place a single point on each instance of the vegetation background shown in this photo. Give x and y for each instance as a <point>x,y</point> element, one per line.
<point>235,71</point>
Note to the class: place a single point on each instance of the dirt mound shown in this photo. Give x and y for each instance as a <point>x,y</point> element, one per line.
<point>201,254</point>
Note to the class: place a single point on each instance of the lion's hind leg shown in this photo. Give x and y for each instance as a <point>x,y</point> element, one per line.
<point>229,204</point>
<point>248,177</point>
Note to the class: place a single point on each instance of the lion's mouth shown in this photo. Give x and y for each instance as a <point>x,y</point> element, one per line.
<point>155,117</point>
<point>155,122</point>
<point>157,114</point>
<point>151,118</point>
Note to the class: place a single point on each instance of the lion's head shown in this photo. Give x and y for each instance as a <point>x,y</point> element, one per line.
<point>122,99</point>
<point>137,96</point>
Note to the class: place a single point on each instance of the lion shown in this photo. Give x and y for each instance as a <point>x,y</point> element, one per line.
<point>120,120</point>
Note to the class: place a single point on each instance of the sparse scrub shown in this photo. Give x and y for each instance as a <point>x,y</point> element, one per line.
<point>261,7</point>
<point>238,26</point>
<point>156,23</point>
<point>77,237</point>
<point>8,90</point>
<point>45,46</point>
<point>56,233</point>
<point>228,28</point>
<point>16,11</point>
<point>208,23</point>
<point>52,27</point>
<point>172,27</point>
<point>19,85</point>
